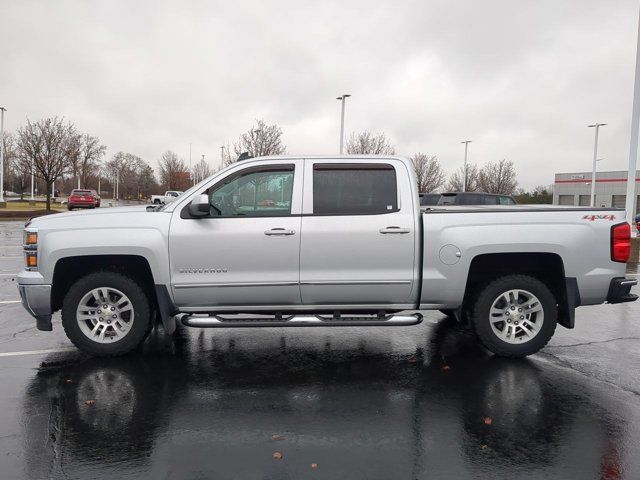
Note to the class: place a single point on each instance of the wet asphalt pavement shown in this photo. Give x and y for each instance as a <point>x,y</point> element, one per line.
<point>375,403</point>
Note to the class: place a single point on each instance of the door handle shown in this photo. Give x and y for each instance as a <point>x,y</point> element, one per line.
<point>394,229</point>
<point>279,231</point>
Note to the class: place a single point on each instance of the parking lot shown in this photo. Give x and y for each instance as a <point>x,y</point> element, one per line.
<point>405,402</point>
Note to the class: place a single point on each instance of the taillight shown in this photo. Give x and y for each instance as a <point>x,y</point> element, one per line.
<point>620,242</point>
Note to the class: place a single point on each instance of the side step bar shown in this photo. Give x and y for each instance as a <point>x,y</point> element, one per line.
<point>219,321</point>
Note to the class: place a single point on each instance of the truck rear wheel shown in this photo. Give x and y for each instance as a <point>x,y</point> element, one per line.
<point>515,316</point>
<point>106,314</point>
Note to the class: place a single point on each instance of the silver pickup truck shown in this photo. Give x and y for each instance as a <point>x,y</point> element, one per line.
<point>320,241</point>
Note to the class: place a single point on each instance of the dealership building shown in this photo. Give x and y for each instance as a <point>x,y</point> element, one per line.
<point>611,189</point>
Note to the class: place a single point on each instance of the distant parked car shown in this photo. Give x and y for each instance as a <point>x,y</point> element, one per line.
<point>465,198</point>
<point>82,199</point>
<point>429,199</point>
<point>168,197</point>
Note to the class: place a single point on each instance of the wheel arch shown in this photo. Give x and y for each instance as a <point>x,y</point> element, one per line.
<point>68,270</point>
<point>546,267</point>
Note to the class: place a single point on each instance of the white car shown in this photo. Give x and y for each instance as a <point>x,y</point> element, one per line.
<point>168,197</point>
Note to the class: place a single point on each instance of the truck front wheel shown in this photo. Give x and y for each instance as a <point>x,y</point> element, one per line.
<point>106,314</point>
<point>515,316</point>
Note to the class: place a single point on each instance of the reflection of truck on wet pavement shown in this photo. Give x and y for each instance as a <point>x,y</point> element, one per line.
<point>321,241</point>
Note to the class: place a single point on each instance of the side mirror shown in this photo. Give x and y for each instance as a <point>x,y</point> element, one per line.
<point>199,206</point>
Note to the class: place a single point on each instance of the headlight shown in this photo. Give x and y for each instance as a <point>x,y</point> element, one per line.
<point>30,246</point>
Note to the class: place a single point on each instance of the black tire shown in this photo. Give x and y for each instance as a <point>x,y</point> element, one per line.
<point>448,312</point>
<point>69,207</point>
<point>480,317</point>
<point>141,308</point>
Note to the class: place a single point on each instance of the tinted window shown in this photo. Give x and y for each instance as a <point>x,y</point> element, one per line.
<point>507,201</point>
<point>255,193</point>
<point>429,199</point>
<point>81,192</point>
<point>489,200</point>
<point>342,189</point>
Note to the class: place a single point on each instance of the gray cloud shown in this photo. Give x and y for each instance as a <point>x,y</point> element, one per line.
<point>521,79</point>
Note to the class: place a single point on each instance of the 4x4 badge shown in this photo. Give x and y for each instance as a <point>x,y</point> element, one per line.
<point>593,218</point>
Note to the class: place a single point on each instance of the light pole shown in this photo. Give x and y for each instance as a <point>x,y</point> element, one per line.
<point>32,199</point>
<point>190,169</point>
<point>633,144</point>
<point>221,156</point>
<point>595,159</point>
<point>342,98</point>
<point>464,176</point>
<point>2,110</point>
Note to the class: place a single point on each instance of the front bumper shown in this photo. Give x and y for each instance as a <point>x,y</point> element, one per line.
<point>36,299</point>
<point>620,290</point>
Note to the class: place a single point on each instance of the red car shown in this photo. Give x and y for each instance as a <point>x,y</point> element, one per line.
<point>83,199</point>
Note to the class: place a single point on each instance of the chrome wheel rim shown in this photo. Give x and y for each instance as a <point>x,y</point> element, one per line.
<point>516,316</point>
<point>105,315</point>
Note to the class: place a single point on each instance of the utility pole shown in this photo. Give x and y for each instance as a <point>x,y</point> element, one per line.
<point>464,176</point>
<point>595,159</point>
<point>32,199</point>
<point>633,144</point>
<point>221,156</point>
<point>342,98</point>
<point>190,169</point>
<point>2,110</point>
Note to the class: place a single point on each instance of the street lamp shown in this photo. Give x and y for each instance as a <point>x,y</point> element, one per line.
<point>342,98</point>
<point>2,110</point>
<point>464,176</point>
<point>595,159</point>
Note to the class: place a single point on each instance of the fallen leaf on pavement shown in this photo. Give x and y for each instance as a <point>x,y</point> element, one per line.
<point>89,402</point>
<point>67,380</point>
<point>488,421</point>
<point>314,465</point>
<point>446,368</point>
<point>277,455</point>
<point>275,436</point>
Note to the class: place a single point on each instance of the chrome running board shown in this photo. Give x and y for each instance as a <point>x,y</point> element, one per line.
<point>229,321</point>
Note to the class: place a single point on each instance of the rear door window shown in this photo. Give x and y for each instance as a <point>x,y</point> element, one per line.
<point>354,189</point>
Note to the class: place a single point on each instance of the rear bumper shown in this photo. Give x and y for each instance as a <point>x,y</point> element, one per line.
<point>36,299</point>
<point>620,290</point>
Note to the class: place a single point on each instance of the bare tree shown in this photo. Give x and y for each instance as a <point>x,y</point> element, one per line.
<point>429,173</point>
<point>261,140</point>
<point>49,143</point>
<point>173,171</point>
<point>366,143</point>
<point>456,179</point>
<point>202,170</point>
<point>136,178</point>
<point>498,177</point>
<point>90,153</point>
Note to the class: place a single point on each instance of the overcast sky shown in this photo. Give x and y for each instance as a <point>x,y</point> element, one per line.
<point>521,79</point>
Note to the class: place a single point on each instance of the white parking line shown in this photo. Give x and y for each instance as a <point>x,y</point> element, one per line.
<point>3,302</point>
<point>36,352</point>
